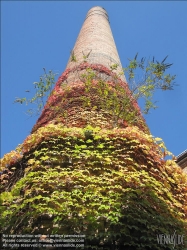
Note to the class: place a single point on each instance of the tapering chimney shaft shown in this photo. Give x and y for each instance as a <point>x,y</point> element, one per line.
<point>95,48</point>
<point>96,41</point>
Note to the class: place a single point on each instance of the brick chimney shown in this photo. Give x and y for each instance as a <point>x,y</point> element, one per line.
<point>79,174</point>
<point>94,49</point>
<point>96,40</point>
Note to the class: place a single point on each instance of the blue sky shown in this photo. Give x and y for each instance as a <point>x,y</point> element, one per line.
<point>41,34</point>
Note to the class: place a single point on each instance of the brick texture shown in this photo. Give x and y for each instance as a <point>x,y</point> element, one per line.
<point>182,161</point>
<point>96,38</point>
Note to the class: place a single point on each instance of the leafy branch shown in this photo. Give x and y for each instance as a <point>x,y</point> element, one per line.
<point>114,99</point>
<point>43,89</point>
<point>153,77</point>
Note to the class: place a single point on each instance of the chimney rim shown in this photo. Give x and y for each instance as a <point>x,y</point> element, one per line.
<point>95,11</point>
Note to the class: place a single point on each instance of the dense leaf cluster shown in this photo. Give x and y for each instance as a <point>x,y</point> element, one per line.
<point>111,185</point>
<point>91,100</point>
<point>91,167</point>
